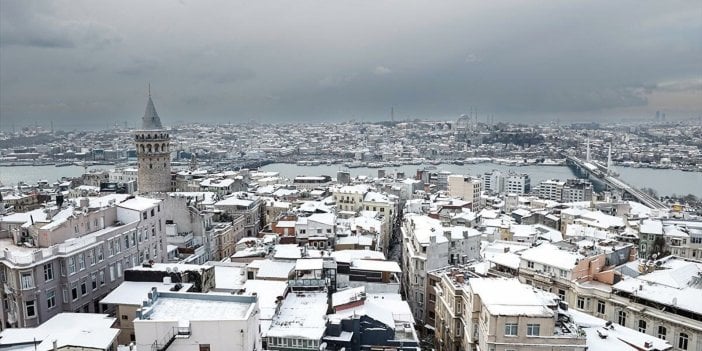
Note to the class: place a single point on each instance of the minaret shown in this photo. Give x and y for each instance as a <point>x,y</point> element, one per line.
<point>587,153</point>
<point>153,153</point>
<point>609,159</point>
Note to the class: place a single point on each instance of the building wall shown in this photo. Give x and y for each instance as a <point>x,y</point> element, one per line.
<point>220,335</point>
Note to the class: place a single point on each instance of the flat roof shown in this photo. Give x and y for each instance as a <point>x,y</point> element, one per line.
<point>134,293</point>
<point>202,307</point>
<point>87,330</point>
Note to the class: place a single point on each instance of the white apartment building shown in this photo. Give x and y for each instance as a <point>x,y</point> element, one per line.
<point>197,322</point>
<point>504,314</point>
<point>517,183</point>
<point>466,188</point>
<point>429,244</point>
<point>551,189</point>
<point>350,197</point>
<point>494,182</point>
<point>69,258</point>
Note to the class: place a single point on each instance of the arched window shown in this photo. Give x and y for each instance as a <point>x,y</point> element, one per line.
<point>163,147</point>
<point>148,148</point>
<point>151,166</point>
<point>662,332</point>
<point>156,147</point>
<point>621,318</point>
<point>142,148</point>
<point>642,326</point>
<point>682,341</point>
<point>148,136</point>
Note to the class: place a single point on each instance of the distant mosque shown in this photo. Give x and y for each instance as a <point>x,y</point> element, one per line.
<point>153,153</point>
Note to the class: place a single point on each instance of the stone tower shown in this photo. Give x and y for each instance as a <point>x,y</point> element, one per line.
<point>153,153</point>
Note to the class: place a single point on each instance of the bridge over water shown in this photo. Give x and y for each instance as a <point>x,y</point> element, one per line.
<point>599,172</point>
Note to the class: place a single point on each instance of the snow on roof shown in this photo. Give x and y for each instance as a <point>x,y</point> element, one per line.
<point>193,308</point>
<point>551,255</point>
<point>139,203</point>
<point>350,255</point>
<point>234,201</point>
<point>301,316</point>
<point>373,196</point>
<point>285,224</point>
<point>619,338</point>
<point>229,277</point>
<point>274,269</point>
<point>509,297</point>
<point>353,189</point>
<point>651,226</point>
<point>377,266</point>
<point>217,183</point>
<point>59,218</point>
<point>86,330</point>
<point>349,295</point>
<point>388,309</point>
<point>309,264</point>
<point>425,227</point>
<point>134,293</point>
<point>670,285</point>
<point>507,259</point>
<point>267,292</point>
<point>674,230</point>
<point>287,251</point>
<point>324,218</point>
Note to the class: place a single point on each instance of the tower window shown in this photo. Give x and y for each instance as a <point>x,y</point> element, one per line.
<point>151,166</point>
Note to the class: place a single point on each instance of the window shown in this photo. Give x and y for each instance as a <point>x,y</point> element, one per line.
<point>91,255</point>
<point>100,255</point>
<point>93,279</point>
<point>561,294</point>
<point>600,307</point>
<point>662,332</point>
<point>74,293</point>
<point>119,269</point>
<point>102,278</point>
<point>581,303</point>
<point>112,273</point>
<point>71,265</point>
<point>83,288</point>
<point>621,318</point>
<point>30,309</point>
<point>564,273</point>
<point>533,329</point>
<point>110,248</point>
<point>682,341</point>
<point>530,264</point>
<point>81,262</point>
<point>51,299</point>
<point>118,247</point>
<point>126,241</point>
<point>27,280</point>
<point>48,272</point>
<point>510,329</point>
<point>642,326</point>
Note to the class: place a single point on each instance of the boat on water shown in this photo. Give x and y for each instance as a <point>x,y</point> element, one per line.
<point>64,164</point>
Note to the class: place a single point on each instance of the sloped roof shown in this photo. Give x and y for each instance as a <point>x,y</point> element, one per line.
<point>150,121</point>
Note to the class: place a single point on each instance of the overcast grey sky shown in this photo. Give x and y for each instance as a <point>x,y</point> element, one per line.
<point>86,63</point>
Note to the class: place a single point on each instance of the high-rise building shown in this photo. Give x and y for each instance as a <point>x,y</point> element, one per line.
<point>153,153</point>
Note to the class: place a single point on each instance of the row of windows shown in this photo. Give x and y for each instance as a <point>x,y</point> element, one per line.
<point>533,329</point>
<point>661,332</point>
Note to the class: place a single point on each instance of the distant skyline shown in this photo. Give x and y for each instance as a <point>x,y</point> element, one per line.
<point>86,64</point>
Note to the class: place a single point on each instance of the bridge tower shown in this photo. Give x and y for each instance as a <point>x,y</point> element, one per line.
<point>587,152</point>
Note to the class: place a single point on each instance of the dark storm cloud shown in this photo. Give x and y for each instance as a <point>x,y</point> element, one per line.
<point>70,61</point>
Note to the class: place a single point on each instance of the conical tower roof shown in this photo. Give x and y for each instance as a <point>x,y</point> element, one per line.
<point>150,120</point>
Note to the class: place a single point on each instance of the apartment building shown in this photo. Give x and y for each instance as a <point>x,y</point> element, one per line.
<point>430,244</point>
<point>466,188</point>
<point>74,255</point>
<point>350,197</point>
<point>493,182</point>
<point>551,189</point>
<point>576,190</point>
<point>250,206</point>
<point>517,183</point>
<point>503,314</point>
<point>190,321</point>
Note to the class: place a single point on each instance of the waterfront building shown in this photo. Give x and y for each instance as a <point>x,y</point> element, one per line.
<point>494,182</point>
<point>576,190</point>
<point>518,183</point>
<point>551,189</point>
